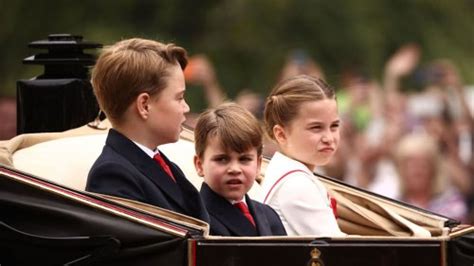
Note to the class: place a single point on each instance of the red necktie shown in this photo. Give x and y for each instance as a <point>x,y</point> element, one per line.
<point>245,210</point>
<point>164,165</point>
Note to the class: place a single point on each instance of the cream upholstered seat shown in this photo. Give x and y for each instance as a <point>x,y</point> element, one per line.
<point>67,160</point>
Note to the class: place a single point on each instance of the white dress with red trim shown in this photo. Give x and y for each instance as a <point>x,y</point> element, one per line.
<point>299,198</point>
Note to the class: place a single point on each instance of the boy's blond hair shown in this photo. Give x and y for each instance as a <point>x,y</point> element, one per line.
<point>282,105</point>
<point>130,67</point>
<point>234,126</point>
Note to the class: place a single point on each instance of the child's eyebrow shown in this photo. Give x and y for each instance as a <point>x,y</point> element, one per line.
<point>220,154</point>
<point>248,153</point>
<point>321,122</point>
<point>315,123</point>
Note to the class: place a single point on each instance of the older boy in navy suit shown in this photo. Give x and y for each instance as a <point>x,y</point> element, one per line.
<point>139,84</point>
<point>228,142</point>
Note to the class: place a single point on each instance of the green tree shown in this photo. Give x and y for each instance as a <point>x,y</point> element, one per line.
<point>246,40</point>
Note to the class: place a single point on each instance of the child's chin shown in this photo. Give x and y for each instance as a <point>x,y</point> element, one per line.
<point>175,139</point>
<point>323,161</point>
<point>235,196</point>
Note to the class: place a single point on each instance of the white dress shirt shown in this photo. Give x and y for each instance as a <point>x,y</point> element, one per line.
<point>146,150</point>
<point>299,198</point>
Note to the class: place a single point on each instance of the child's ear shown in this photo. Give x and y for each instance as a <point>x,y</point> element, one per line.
<point>141,103</point>
<point>279,133</point>
<point>198,166</point>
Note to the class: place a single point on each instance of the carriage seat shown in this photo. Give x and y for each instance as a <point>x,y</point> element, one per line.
<point>67,160</point>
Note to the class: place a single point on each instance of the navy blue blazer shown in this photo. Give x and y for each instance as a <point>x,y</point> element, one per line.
<point>124,170</point>
<point>227,220</point>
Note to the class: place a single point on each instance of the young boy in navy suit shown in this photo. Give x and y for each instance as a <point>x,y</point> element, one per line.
<point>228,141</point>
<point>139,84</point>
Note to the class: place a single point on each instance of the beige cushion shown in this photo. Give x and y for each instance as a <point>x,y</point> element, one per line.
<point>67,160</point>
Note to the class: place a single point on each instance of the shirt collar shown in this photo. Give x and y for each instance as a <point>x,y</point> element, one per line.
<point>146,150</point>
<point>237,201</point>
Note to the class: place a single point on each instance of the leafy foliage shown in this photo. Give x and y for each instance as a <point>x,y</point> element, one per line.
<point>246,40</point>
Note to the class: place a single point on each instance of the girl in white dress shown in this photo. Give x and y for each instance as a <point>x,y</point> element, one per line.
<point>301,117</point>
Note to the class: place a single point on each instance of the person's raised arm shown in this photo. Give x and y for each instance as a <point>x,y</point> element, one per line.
<point>200,71</point>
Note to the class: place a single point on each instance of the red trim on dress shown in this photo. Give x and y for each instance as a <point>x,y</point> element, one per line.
<point>278,181</point>
<point>332,200</point>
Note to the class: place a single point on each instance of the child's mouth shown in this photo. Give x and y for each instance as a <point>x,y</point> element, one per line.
<point>234,182</point>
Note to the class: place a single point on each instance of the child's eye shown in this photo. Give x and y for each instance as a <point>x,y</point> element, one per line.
<point>246,159</point>
<point>221,159</point>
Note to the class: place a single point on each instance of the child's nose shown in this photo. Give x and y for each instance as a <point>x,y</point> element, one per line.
<point>186,107</point>
<point>234,168</point>
<point>327,137</point>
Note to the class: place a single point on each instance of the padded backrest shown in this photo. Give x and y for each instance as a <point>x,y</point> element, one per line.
<point>67,160</point>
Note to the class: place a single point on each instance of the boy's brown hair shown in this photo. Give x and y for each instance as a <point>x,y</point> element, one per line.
<point>130,67</point>
<point>282,105</point>
<point>236,128</point>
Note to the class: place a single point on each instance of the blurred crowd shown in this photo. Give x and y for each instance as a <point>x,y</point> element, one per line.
<point>408,136</point>
<point>411,145</point>
<point>412,142</point>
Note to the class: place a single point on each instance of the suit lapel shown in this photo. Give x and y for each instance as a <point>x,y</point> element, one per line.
<point>226,214</point>
<point>191,197</point>
<point>146,165</point>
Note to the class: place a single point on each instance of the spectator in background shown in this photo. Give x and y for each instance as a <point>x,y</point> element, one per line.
<point>298,62</point>
<point>203,84</point>
<point>454,127</point>
<point>457,104</point>
<point>251,101</point>
<point>424,179</point>
<point>428,110</point>
<point>374,118</point>
<point>355,99</point>
<point>255,103</point>
<point>366,159</point>
<point>7,117</point>
<point>201,73</point>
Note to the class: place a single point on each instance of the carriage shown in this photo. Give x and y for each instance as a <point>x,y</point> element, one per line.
<point>48,219</point>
